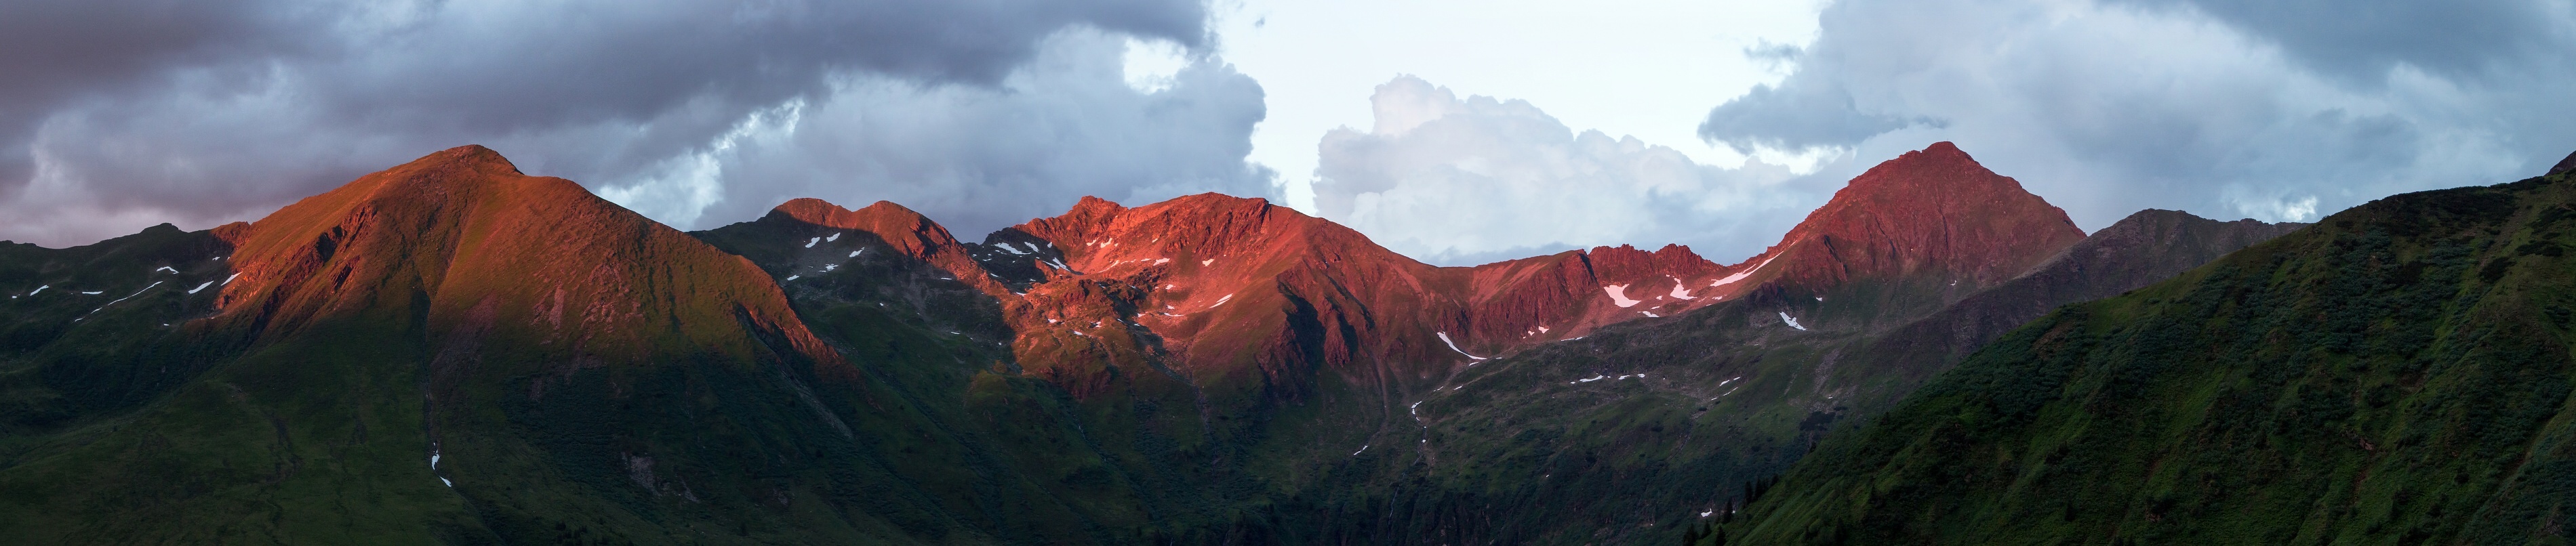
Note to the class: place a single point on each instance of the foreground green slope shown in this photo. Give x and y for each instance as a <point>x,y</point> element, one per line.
<point>2398,374</point>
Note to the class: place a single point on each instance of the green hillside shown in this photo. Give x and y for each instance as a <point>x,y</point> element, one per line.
<point>2398,374</point>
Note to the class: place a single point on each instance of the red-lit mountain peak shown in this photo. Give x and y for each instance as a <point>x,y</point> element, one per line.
<point>488,250</point>
<point>1934,212</point>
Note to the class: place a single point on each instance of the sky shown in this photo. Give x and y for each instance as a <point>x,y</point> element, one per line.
<point>1455,132</point>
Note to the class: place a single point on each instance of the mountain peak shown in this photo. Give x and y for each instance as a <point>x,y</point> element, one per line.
<point>473,240</point>
<point>1941,168</point>
<point>471,156</point>
<point>881,214</point>
<point>906,230</point>
<point>2564,165</point>
<point>1931,211</point>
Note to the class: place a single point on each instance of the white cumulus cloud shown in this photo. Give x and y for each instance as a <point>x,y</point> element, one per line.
<point>1459,181</point>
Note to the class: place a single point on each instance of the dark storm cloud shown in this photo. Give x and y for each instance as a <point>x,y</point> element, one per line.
<point>117,114</point>
<point>2363,40</point>
<point>982,158</point>
<point>1804,113</point>
<point>2279,111</point>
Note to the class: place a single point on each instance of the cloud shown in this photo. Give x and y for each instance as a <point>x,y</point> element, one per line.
<point>2278,111</point>
<point>982,158</point>
<point>119,112</point>
<point>1458,182</point>
<point>2362,42</point>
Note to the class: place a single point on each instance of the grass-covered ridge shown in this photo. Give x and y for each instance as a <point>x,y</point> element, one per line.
<point>2398,374</point>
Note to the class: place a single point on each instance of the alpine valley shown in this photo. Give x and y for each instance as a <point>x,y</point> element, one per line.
<point>451,351</point>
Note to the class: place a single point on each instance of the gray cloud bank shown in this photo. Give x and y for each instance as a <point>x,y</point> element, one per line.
<point>1464,181</point>
<point>2273,110</point>
<point>117,114</point>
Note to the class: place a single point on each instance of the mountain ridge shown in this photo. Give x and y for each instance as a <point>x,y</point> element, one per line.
<point>1202,369</point>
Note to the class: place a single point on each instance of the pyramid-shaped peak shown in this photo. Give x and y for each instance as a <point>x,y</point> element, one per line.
<point>1929,210</point>
<point>1941,167</point>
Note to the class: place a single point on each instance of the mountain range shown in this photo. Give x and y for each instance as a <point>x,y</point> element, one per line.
<point>452,351</point>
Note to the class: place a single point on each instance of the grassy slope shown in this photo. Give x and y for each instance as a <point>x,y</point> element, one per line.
<point>2397,375</point>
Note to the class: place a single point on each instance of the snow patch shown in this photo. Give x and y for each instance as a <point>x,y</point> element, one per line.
<point>855,253</point>
<point>1542,329</point>
<point>1206,262</point>
<point>1650,314</point>
<point>1740,275</point>
<point>792,277</point>
<point>1162,261</point>
<point>1588,379</point>
<point>1820,298</point>
<point>1444,338</point>
<point>1221,301</point>
<point>166,268</point>
<point>1362,449</point>
<point>201,287</point>
<point>809,243</point>
<point>829,267</point>
<point>1793,321</point>
<point>1006,247</point>
<point>39,289</point>
<point>95,293</point>
<point>146,288</point>
<point>1618,295</point>
<point>1680,290</point>
<point>834,237</point>
<point>229,280</point>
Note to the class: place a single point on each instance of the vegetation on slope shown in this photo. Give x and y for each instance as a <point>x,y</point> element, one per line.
<point>2398,374</point>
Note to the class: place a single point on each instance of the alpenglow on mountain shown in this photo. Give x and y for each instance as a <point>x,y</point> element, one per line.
<point>452,351</point>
